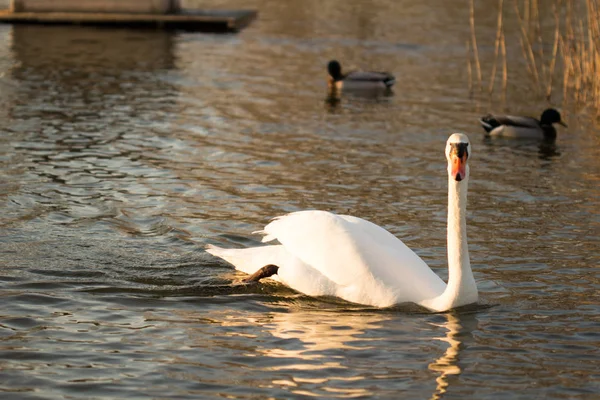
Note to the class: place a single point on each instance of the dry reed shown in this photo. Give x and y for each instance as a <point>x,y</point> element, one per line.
<point>499,35</point>
<point>574,44</point>
<point>474,42</point>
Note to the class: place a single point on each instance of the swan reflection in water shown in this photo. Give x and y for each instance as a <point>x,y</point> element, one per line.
<point>316,347</point>
<point>347,351</point>
<point>309,351</point>
<point>447,364</point>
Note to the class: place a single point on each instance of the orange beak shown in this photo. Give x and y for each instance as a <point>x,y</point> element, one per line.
<point>459,167</point>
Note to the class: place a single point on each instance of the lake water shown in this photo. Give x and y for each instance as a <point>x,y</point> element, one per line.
<point>124,153</point>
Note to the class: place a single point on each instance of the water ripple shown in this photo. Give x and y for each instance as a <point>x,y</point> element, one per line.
<point>123,153</point>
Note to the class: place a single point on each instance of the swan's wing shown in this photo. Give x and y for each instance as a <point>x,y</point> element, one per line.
<point>402,265</point>
<point>292,272</point>
<point>348,249</point>
<point>251,259</point>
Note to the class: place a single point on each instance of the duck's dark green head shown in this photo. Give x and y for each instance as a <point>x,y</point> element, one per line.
<point>551,116</point>
<point>335,70</point>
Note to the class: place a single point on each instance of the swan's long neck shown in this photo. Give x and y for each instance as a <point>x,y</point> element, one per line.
<point>461,288</point>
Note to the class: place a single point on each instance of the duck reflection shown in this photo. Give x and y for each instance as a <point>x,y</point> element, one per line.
<point>366,92</point>
<point>332,101</point>
<point>335,99</point>
<point>546,149</point>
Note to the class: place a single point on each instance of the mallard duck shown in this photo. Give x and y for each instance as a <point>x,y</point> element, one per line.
<point>523,127</point>
<point>357,79</point>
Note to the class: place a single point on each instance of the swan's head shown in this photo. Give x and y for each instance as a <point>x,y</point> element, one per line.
<point>458,151</point>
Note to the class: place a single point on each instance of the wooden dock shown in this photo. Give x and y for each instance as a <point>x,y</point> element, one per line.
<point>192,20</point>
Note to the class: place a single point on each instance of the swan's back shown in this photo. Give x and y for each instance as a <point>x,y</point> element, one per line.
<point>363,259</point>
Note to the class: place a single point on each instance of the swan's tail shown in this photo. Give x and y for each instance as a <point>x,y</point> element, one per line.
<point>248,260</point>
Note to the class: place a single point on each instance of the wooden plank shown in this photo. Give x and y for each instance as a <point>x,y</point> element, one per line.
<point>97,6</point>
<point>197,20</point>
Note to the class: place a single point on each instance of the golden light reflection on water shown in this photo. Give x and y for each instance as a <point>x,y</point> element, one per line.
<point>331,332</point>
<point>447,364</point>
<point>338,332</point>
<point>126,152</point>
<point>292,347</point>
<point>321,334</point>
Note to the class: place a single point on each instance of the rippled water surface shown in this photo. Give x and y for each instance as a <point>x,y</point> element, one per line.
<point>124,153</point>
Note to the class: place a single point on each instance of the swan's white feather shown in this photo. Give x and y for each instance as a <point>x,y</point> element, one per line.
<point>321,253</point>
<point>368,264</point>
<point>251,259</point>
<point>292,271</point>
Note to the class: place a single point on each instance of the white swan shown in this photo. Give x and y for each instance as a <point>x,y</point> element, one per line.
<point>325,254</point>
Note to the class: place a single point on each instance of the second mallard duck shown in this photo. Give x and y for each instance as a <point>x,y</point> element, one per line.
<point>523,127</point>
<point>357,79</point>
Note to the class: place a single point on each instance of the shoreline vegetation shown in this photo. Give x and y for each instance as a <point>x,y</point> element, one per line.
<point>568,62</point>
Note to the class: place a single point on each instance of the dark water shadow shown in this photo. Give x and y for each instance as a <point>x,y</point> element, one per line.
<point>75,74</point>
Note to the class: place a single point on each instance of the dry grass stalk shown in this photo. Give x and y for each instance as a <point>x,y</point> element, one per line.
<point>499,35</point>
<point>540,41</point>
<point>550,79</point>
<point>469,69</point>
<point>474,42</point>
<point>526,46</point>
<point>575,49</point>
<point>504,69</point>
<point>580,52</point>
